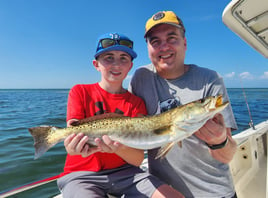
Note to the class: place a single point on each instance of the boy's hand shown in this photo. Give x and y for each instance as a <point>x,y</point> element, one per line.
<point>107,145</point>
<point>77,145</point>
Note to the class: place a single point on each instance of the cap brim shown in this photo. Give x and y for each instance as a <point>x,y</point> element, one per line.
<point>173,24</point>
<point>126,49</point>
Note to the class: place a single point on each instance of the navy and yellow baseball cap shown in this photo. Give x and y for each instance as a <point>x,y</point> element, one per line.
<point>167,17</point>
<point>114,41</point>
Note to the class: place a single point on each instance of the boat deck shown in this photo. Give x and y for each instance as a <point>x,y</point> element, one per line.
<point>256,187</point>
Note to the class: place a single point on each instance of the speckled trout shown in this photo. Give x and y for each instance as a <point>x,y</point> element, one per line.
<point>162,130</point>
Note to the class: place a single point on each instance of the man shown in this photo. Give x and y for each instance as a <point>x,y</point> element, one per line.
<point>200,167</point>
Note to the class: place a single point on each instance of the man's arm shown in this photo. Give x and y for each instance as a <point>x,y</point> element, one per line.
<point>219,139</point>
<point>225,154</point>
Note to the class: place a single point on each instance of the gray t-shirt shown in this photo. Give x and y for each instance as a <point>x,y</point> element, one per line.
<point>190,169</point>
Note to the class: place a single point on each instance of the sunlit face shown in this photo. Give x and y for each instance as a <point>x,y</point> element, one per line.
<point>113,65</point>
<point>166,48</point>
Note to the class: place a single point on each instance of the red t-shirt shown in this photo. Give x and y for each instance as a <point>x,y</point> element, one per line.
<point>89,100</point>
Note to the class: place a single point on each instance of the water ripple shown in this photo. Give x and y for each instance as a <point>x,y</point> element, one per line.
<point>22,109</point>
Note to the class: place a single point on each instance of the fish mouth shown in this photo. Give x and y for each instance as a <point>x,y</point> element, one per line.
<point>214,103</point>
<point>219,104</point>
<point>219,101</point>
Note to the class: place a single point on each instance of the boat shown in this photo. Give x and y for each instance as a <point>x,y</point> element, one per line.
<point>249,20</point>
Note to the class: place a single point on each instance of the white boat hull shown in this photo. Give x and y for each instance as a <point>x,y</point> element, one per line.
<point>249,165</point>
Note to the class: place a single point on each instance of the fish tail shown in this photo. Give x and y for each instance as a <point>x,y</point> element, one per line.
<point>40,135</point>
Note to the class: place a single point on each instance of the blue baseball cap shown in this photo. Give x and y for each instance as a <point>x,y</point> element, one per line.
<point>114,41</point>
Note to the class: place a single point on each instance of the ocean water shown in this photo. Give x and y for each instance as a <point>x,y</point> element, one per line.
<point>22,109</point>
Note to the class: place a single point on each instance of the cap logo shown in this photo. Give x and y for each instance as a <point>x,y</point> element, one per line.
<point>114,36</point>
<point>158,16</point>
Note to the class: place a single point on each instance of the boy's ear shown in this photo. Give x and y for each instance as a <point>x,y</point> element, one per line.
<point>131,66</point>
<point>96,64</point>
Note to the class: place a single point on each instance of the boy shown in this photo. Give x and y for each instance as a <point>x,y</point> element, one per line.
<point>111,168</point>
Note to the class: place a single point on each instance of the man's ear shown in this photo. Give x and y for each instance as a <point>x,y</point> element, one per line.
<point>185,43</point>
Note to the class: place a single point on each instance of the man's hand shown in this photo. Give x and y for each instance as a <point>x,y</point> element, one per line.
<point>214,131</point>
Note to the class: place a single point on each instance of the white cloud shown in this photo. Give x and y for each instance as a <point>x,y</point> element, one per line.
<point>246,75</point>
<point>230,75</point>
<point>265,75</point>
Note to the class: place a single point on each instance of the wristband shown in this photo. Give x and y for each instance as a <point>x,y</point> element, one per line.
<point>218,146</point>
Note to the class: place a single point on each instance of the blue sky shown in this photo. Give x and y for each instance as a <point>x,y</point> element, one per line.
<point>51,43</point>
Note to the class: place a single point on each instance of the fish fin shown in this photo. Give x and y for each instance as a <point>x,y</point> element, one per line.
<point>164,150</point>
<point>40,139</point>
<point>163,130</point>
<point>98,117</point>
